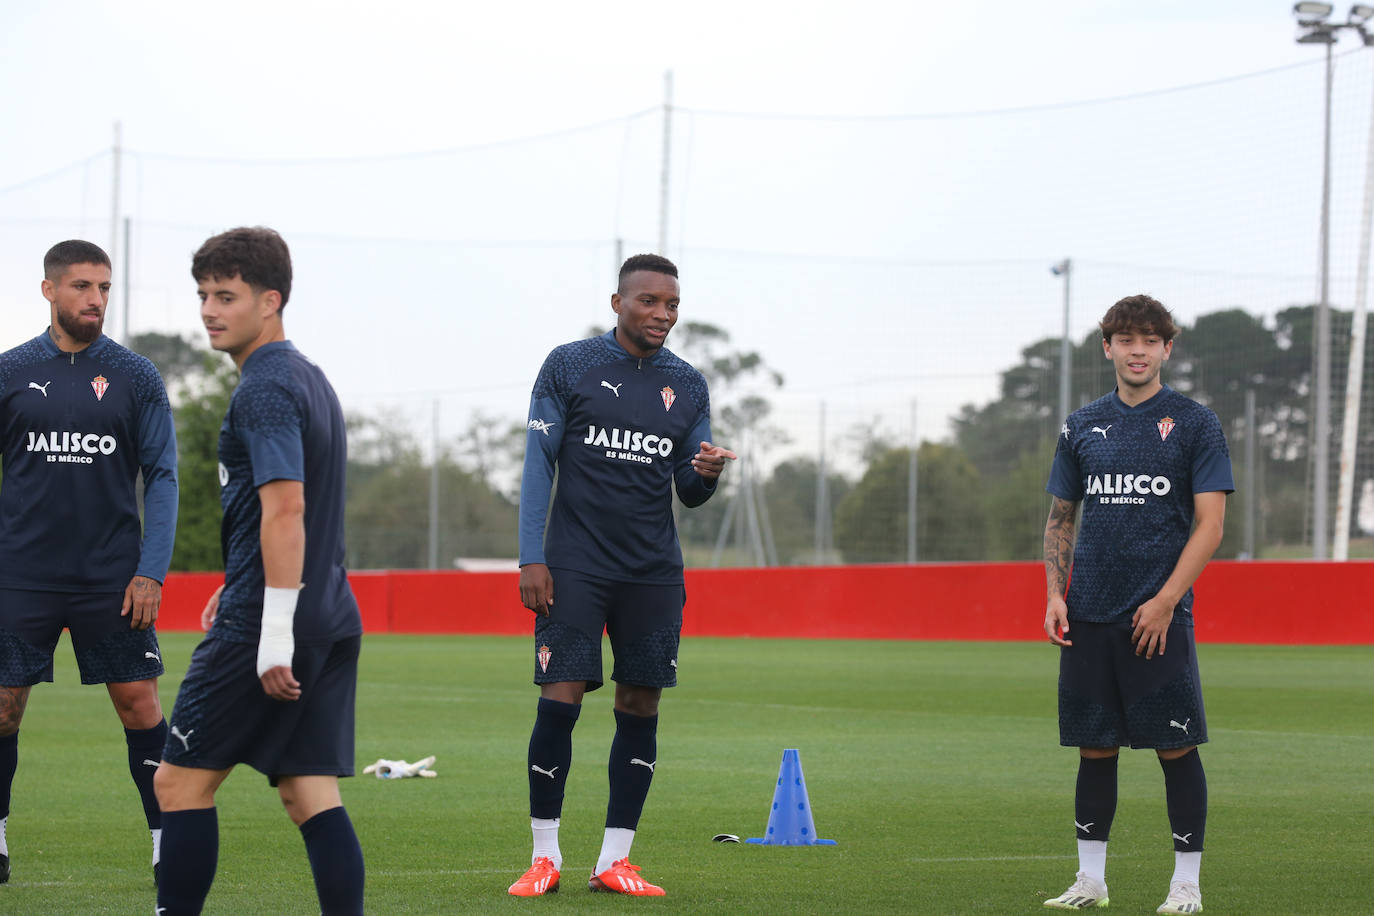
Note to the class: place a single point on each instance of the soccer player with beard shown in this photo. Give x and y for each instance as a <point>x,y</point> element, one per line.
<point>623,421</point>
<point>80,418</point>
<point>1152,471</point>
<point>273,683</point>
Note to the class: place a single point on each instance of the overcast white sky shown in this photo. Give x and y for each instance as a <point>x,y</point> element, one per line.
<point>874,261</point>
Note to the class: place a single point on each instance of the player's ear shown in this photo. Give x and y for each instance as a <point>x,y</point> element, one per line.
<point>615,302</point>
<point>270,303</point>
<point>1168,348</point>
<point>49,290</point>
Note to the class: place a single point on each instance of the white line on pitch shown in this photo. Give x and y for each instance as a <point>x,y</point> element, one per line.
<point>420,873</point>
<point>1003,858</point>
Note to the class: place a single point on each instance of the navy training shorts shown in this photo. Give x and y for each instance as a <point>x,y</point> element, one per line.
<point>1111,697</point>
<point>108,650</point>
<point>222,717</point>
<point>643,621</point>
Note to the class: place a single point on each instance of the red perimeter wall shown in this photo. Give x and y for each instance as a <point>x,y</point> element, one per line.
<point>1238,602</point>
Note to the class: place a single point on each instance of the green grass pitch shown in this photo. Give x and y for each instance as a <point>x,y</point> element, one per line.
<point>935,766</point>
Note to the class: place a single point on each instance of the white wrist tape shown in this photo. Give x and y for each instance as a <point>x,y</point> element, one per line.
<point>276,643</point>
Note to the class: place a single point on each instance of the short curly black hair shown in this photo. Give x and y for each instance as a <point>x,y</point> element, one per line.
<point>257,255</point>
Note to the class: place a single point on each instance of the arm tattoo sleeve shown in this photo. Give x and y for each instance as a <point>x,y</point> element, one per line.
<point>1059,532</point>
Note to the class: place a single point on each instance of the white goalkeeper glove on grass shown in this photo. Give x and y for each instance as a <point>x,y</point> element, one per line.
<point>399,769</point>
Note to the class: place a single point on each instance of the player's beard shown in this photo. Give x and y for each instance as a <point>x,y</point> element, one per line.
<point>78,330</point>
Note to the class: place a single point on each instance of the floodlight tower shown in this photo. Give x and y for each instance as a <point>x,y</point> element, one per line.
<point>1315,28</point>
<point>1065,269</point>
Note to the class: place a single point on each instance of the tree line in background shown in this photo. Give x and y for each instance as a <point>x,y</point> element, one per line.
<point>980,496</point>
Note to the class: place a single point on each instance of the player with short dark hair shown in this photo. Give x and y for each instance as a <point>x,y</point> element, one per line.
<point>273,682</point>
<point>623,421</point>
<point>1152,471</point>
<point>80,418</point>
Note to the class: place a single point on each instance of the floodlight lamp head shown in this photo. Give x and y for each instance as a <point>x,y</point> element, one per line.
<point>1312,12</point>
<point>1061,268</point>
<point>1360,14</point>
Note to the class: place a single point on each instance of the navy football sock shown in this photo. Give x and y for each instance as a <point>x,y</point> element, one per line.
<point>1094,799</point>
<point>1185,788</point>
<point>634,753</point>
<point>550,756</point>
<point>190,853</point>
<point>336,861</point>
<point>145,753</point>
<point>9,762</point>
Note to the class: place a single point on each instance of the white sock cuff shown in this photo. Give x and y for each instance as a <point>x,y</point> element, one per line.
<point>545,831</point>
<point>615,845</point>
<point>1187,867</point>
<point>1092,859</point>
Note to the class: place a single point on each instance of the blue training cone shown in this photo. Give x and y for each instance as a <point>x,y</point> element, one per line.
<point>790,823</point>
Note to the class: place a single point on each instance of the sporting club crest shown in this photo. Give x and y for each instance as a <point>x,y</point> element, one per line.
<point>101,385</point>
<point>545,653</point>
<point>1166,426</point>
<point>668,397</point>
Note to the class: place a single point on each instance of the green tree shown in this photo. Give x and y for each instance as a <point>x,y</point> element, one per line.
<point>1017,506</point>
<point>177,358</point>
<point>387,513</point>
<point>791,499</point>
<point>951,524</point>
<point>203,398</point>
<point>387,516</point>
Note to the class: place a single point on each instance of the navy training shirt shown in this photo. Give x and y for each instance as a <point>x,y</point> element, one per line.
<point>1136,470</point>
<point>284,423</point>
<point>76,429</point>
<point>621,431</point>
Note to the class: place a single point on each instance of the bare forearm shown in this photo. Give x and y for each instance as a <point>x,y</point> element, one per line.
<point>1202,543</point>
<point>1059,534</point>
<point>283,549</point>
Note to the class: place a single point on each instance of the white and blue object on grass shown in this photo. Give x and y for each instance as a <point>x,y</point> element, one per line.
<point>400,769</point>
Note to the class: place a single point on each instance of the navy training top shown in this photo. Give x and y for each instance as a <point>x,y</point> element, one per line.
<point>76,429</point>
<point>284,423</point>
<point>1136,470</point>
<point>621,431</point>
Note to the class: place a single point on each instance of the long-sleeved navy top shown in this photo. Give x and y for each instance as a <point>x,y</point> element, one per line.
<point>620,431</point>
<point>75,430</point>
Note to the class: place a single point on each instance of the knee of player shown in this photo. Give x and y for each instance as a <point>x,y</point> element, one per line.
<point>303,797</point>
<point>137,703</point>
<point>12,703</point>
<point>637,701</point>
<point>173,790</point>
<point>163,786</point>
<point>294,810</point>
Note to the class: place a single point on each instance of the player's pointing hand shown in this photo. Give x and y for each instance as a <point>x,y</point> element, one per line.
<point>710,461</point>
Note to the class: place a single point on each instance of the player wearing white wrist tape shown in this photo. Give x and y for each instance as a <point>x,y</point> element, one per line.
<point>273,683</point>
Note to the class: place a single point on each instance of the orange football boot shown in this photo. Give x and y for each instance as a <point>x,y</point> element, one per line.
<point>541,879</point>
<point>623,878</point>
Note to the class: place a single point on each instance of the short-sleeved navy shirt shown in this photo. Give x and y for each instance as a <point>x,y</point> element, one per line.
<point>284,423</point>
<point>1136,470</point>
